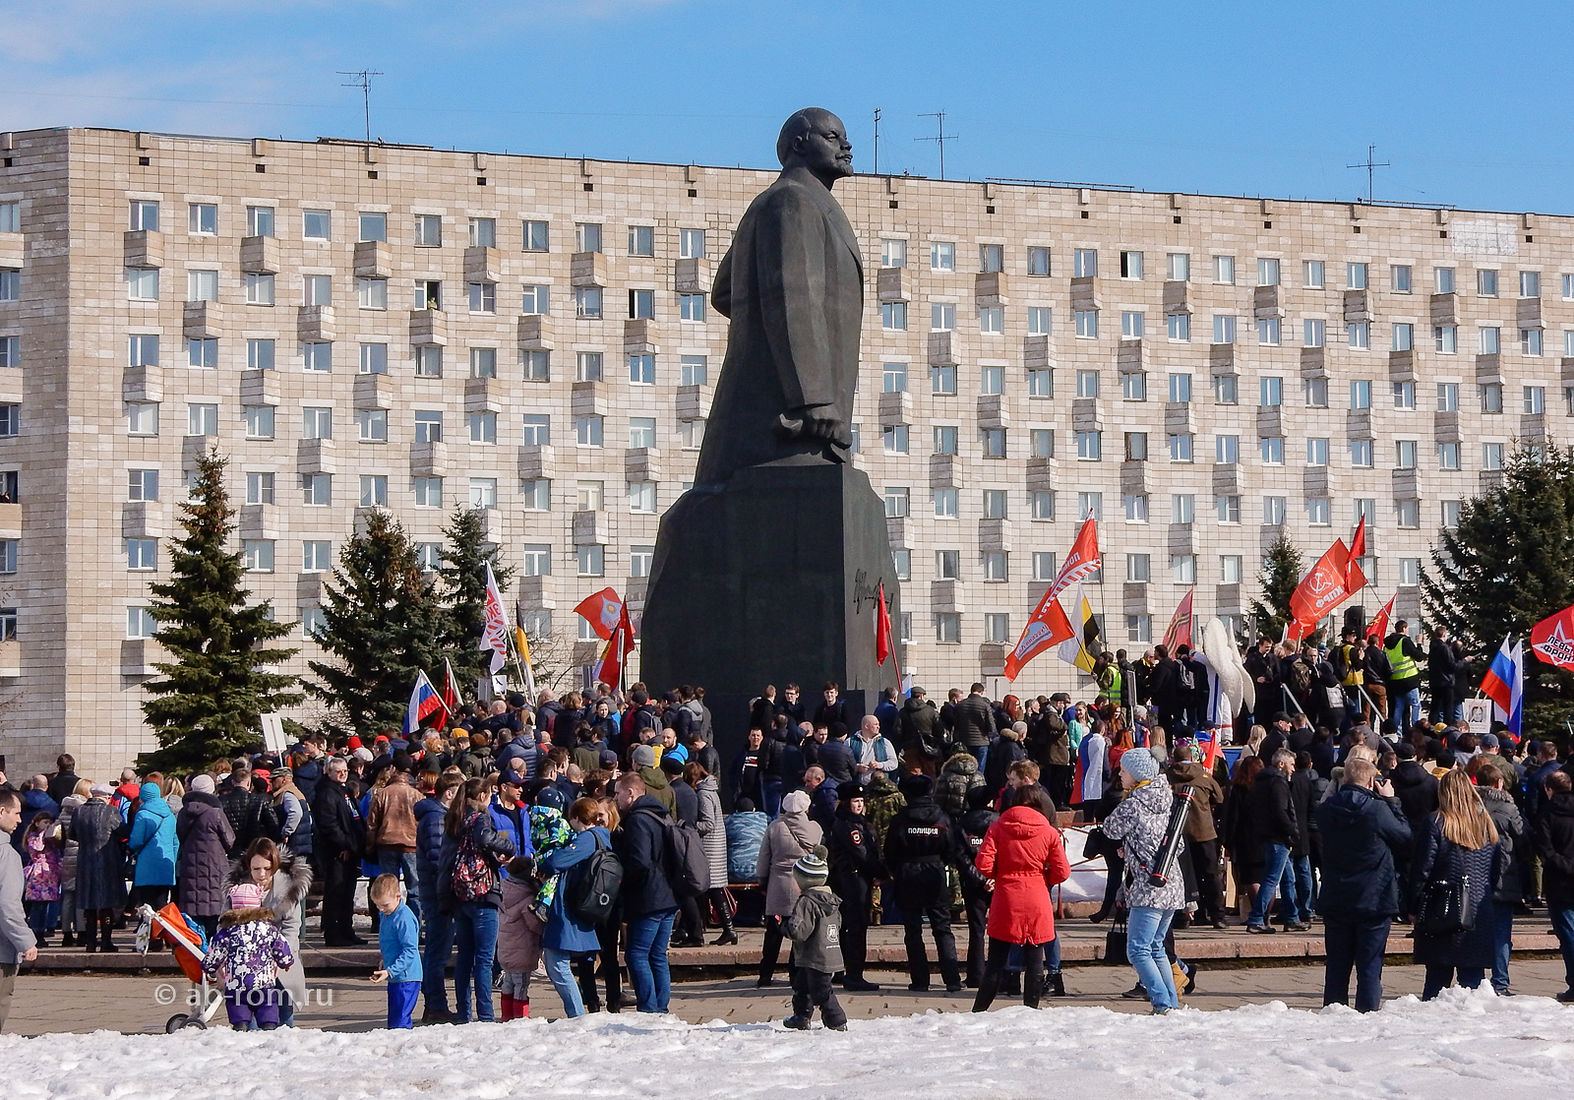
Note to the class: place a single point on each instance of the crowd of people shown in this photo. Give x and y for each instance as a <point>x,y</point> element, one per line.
<point>584,837</point>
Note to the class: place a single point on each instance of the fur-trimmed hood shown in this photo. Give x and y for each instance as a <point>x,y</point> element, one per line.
<point>250,915</point>
<point>290,882</point>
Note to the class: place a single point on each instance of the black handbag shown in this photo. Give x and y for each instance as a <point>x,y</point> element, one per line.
<point>1447,908</point>
<point>1115,940</point>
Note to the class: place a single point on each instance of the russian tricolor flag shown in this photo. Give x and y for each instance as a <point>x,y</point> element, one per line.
<point>1504,684</point>
<point>424,702</point>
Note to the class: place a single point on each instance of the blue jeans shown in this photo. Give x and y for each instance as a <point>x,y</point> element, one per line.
<point>1145,931</point>
<point>1502,942</point>
<point>1563,928</point>
<point>1406,707</point>
<point>647,959</point>
<point>391,861</point>
<point>475,935</point>
<point>1299,874</point>
<point>439,949</point>
<point>560,969</point>
<point>981,753</point>
<point>1275,878</point>
<point>773,799</point>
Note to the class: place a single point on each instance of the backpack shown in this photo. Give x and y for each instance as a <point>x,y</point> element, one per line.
<point>596,887</point>
<point>1300,679</point>
<point>691,867</point>
<point>1188,681</point>
<point>473,875</point>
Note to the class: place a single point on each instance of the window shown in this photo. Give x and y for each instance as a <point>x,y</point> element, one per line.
<point>942,381</point>
<point>535,560</point>
<point>371,425</point>
<point>1131,265</point>
<point>996,566</point>
<point>428,426</point>
<point>1314,332</point>
<point>893,315</point>
<point>483,492</point>
<point>590,560</point>
<point>373,226</point>
<point>1226,448</point>
<point>483,427</point>
<point>1404,454</point>
<point>1268,331</point>
<point>1491,456</point>
<point>642,432</point>
<point>141,485</point>
<point>1318,511</point>
<point>1226,389</point>
<point>1272,448</point>
<point>587,303</point>
<point>1267,271</point>
<point>1138,568</point>
<point>991,257</point>
<point>316,225</point>
<point>1090,446</point>
<point>1180,389</point>
<point>1409,572</point>
<point>483,232</point>
<point>374,358</point>
<point>1136,505</point>
<point>1313,274</point>
<point>1136,446</point>
<point>1448,456</point>
<point>642,240</point>
<point>942,256</point>
<point>1087,323</point>
<point>1270,391</point>
<point>9,549</point>
<point>1139,628</point>
<point>203,354</point>
<point>991,380</point>
<point>1399,276</point>
<point>1568,287</point>
<point>993,442</point>
<point>942,316</point>
<point>1358,334</point>
<point>1404,395</point>
<point>144,215</point>
<point>1450,513</point>
<point>202,286</point>
<point>317,290</point>
<point>1530,341</point>
<point>259,290</point>
<point>893,378</point>
<point>1131,324</point>
<point>1177,326</point>
<point>1491,397</point>
<point>535,236</point>
<point>428,491</point>
<point>1228,509</point>
<point>535,365</point>
<point>1179,266</point>
<point>1491,339</point>
<point>642,303</point>
<point>317,489</point>
<point>1361,394</point>
<point>428,230</point>
<point>429,361</point>
<point>1041,502</point>
<point>1224,269</point>
<point>1445,280</point>
<point>896,501</point>
<point>257,555</point>
<point>1315,392</point>
<point>1182,507</point>
<point>483,362</point>
<point>316,422</point>
<point>141,283</point>
<point>1183,568</point>
<point>1133,387</point>
<point>1317,451</point>
<point>317,355</point>
<point>428,294</point>
<point>202,418</point>
<point>535,300</point>
<point>691,307</point>
<point>947,564</point>
<point>1365,508</point>
<point>1404,336</point>
<point>1087,383</point>
<point>142,418</point>
<point>1448,397</point>
<point>945,503</point>
<point>259,421</point>
<point>995,503</point>
<point>1273,511</point>
<point>1230,568</point>
<point>1041,442</point>
<point>140,624</point>
<point>10,351</point>
<point>1535,400</point>
<point>1038,260</point>
<point>992,320</point>
<point>483,297</point>
<point>1407,513</point>
<point>642,370</point>
<point>1486,283</point>
<point>1446,338</point>
<point>1223,329</point>
<point>259,487</point>
<point>537,430</point>
<point>1355,276</point>
<point>1084,263</point>
<point>895,439</point>
<point>948,627</point>
<point>997,629</point>
<point>1040,320</point>
<point>587,237</point>
<point>1360,452</point>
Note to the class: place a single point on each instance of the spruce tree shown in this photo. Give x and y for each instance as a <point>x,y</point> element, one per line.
<point>462,583</point>
<point>216,684</point>
<point>1281,572</point>
<point>381,621</point>
<point>1508,565</point>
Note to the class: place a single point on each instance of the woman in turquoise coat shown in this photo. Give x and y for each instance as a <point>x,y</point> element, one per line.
<point>154,845</point>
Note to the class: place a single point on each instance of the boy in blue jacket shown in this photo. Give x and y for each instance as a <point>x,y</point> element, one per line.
<point>398,937</point>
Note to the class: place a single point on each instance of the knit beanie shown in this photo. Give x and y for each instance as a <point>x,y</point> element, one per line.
<point>245,895</point>
<point>811,870</point>
<point>202,784</point>
<point>1139,764</point>
<point>644,756</point>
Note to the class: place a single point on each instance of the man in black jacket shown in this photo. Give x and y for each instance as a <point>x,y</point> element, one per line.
<point>251,815</point>
<point>1443,666</point>
<point>1555,845</point>
<point>1271,817</point>
<point>340,838</point>
<point>975,724</point>
<point>1364,831</point>
<point>919,844</point>
<point>650,902</point>
<point>920,732</point>
<point>855,864</point>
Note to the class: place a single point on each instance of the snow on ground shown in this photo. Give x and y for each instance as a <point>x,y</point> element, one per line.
<point>1462,1045</point>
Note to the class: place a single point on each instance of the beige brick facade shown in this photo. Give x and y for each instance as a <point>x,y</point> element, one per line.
<point>1014,358</point>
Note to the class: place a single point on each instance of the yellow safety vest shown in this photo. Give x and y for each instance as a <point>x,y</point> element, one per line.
<point>1354,675</point>
<point>1400,665</point>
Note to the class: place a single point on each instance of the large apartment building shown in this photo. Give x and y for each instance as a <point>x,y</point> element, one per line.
<point>396,327</point>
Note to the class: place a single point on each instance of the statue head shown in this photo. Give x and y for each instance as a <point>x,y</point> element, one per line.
<point>815,139</point>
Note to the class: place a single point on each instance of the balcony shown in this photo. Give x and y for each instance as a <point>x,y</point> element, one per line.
<point>259,255</point>
<point>1134,478</point>
<point>1407,485</point>
<point>1267,302</point>
<point>1528,312</point>
<point>1357,306</point>
<point>1315,481</point>
<point>1087,414</point>
<point>1533,428</point>
<point>895,408</point>
<point>139,519</point>
<point>536,463</point>
<point>428,459</point>
<point>1445,309</point>
<point>259,521</point>
<point>308,586</point>
<point>428,327</point>
<point>1223,359</point>
<point>1041,474</point>
<point>136,657</point>
<point>1175,297</point>
<point>144,248</point>
<point>945,471</point>
<point>694,402</point>
<point>1270,421</point>
<point>1085,293</point>
<point>890,285</point>
<point>483,264</point>
<point>484,395</point>
<point>587,269</point>
<point>314,323</point>
<point>259,387</point>
<point>1182,538</point>
<point>942,349</point>
<point>591,528</point>
<point>1131,356</point>
<point>1491,479</point>
<point>897,530</point>
<point>1489,369</point>
<point>692,276</point>
<point>203,320</point>
<point>1180,418</point>
<point>590,399</point>
<point>1314,363</point>
<point>990,289</point>
<point>1038,352</point>
<point>994,534</point>
<point>641,336</point>
<point>1402,365</point>
<point>992,658</point>
<point>373,391</point>
<point>1358,424</point>
<point>1445,427</point>
<point>314,456</point>
<point>534,591</point>
<point>535,333</point>
<point>947,596</point>
<point>994,411</point>
<point>1226,478</point>
<point>373,260</point>
<point>142,382</point>
<point>642,464</point>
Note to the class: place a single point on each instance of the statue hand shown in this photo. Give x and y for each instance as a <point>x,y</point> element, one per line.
<point>803,423</point>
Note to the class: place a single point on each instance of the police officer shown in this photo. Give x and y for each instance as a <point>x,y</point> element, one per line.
<point>855,865</point>
<point>920,845</point>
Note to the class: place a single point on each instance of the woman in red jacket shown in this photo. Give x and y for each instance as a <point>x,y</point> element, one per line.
<point>1024,856</point>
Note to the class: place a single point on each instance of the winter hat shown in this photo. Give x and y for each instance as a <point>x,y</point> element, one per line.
<point>917,785</point>
<point>644,757</point>
<point>796,802</point>
<point>245,895</point>
<point>202,784</point>
<point>551,796</point>
<point>129,791</point>
<point>363,754</point>
<point>811,870</point>
<point>1406,751</point>
<point>846,792</point>
<point>609,759</point>
<point>1139,765</point>
<point>102,790</point>
<point>354,742</point>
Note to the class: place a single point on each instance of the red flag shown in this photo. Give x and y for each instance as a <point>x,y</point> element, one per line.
<point>1378,627</point>
<point>1081,563</point>
<point>1048,626</point>
<point>1552,639</point>
<point>1354,578</point>
<point>609,669</point>
<point>450,694</point>
<point>882,629</point>
<point>602,610</point>
<point>1179,631</point>
<point>1322,589</point>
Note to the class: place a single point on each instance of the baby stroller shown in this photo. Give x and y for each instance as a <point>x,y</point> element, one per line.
<point>189,945</point>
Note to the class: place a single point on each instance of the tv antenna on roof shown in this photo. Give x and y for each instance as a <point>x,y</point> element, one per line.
<point>363,80</point>
<point>1369,164</point>
<point>940,138</point>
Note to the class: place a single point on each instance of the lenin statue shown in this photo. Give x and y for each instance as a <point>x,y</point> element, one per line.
<point>769,569</point>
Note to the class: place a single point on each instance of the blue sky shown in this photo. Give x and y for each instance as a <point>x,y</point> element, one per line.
<point>1469,102</point>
